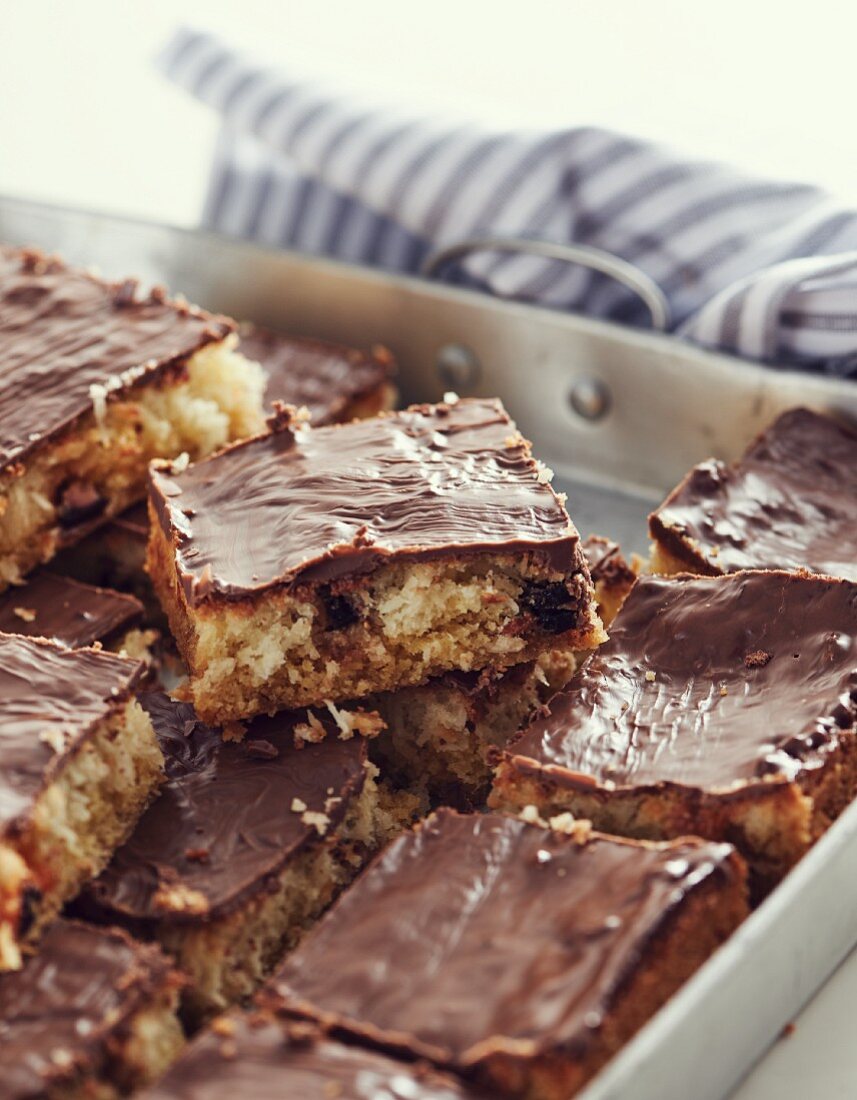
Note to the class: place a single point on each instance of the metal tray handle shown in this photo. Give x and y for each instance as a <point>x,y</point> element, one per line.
<point>594,258</point>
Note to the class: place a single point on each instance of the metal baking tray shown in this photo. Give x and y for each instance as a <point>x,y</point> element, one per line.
<point>620,415</point>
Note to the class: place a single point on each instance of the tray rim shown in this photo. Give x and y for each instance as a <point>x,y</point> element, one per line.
<point>438,289</point>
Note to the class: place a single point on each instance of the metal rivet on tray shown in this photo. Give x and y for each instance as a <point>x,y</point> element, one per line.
<point>590,398</point>
<point>457,367</point>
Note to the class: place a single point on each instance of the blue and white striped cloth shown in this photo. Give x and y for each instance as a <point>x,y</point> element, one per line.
<point>764,269</point>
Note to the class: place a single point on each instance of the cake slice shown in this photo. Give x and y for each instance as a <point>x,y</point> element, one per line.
<point>516,956</point>
<point>92,1015</point>
<point>262,1056</point>
<point>334,383</point>
<point>96,381</point>
<point>724,707</point>
<point>440,739</point>
<point>612,576</point>
<point>789,503</point>
<point>247,843</point>
<point>327,563</point>
<point>78,762</point>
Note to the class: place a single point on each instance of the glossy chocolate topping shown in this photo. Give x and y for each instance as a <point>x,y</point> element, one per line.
<point>63,331</point>
<point>708,681</point>
<point>59,1013</point>
<point>224,822</point>
<point>318,504</point>
<point>66,611</point>
<point>325,378</point>
<point>475,932</point>
<point>259,1057</point>
<point>790,502</point>
<point>50,699</point>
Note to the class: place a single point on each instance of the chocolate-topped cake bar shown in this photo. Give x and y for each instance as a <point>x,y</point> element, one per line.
<point>725,707</point>
<point>517,956</point>
<point>789,503</point>
<point>78,762</point>
<point>92,1015</point>
<point>264,1057</point>
<point>66,611</point>
<point>334,383</point>
<point>246,844</point>
<point>96,380</point>
<point>316,563</point>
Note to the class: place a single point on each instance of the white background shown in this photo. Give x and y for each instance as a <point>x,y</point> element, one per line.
<point>84,118</point>
<point>770,85</point>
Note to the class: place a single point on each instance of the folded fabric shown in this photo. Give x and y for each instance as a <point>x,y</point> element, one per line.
<point>766,270</point>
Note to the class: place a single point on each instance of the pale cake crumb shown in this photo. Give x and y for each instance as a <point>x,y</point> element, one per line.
<point>320,821</point>
<point>180,899</point>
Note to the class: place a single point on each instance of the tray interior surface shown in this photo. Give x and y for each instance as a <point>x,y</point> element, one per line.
<point>668,407</point>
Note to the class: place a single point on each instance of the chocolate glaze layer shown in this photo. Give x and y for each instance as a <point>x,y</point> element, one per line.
<point>63,331</point>
<point>474,929</point>
<point>789,503</point>
<point>223,824</point>
<point>66,611</point>
<point>707,682</point>
<point>324,378</point>
<point>50,700</point>
<point>315,505</point>
<point>71,999</point>
<point>256,1055</point>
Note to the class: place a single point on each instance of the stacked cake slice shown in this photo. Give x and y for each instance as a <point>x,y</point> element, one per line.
<point>309,564</point>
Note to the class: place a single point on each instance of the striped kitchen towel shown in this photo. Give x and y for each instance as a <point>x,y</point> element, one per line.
<point>767,270</point>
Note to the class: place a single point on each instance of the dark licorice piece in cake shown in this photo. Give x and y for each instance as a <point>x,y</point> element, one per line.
<point>556,606</point>
<point>789,503</point>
